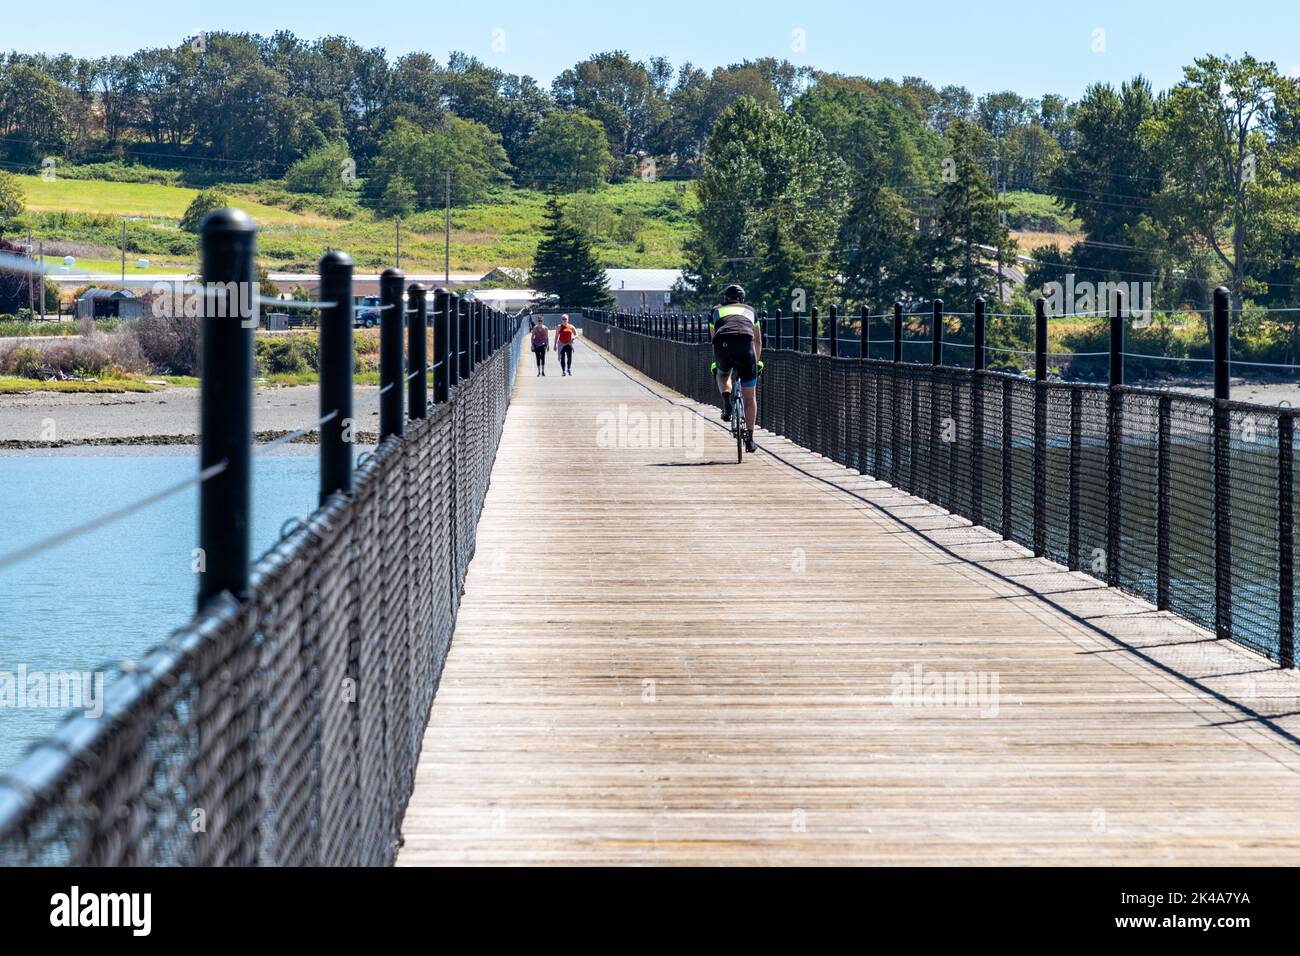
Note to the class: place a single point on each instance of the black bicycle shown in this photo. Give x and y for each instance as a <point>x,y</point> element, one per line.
<point>738,429</point>
<point>738,416</point>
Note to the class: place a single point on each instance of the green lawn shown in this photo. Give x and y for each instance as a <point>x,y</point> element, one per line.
<point>143,200</point>
<point>1038,212</point>
<point>632,224</point>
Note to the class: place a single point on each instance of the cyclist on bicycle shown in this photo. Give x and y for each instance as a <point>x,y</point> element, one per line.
<point>737,345</point>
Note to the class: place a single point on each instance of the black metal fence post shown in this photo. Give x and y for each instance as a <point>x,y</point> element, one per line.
<point>480,333</point>
<point>794,334</point>
<point>441,345</point>
<point>417,351</point>
<point>977,418</point>
<point>1076,478</point>
<point>453,339</point>
<point>475,335</point>
<point>934,486</point>
<point>228,242</point>
<point>814,327</point>
<point>336,361</point>
<point>1286,538</point>
<point>898,332</point>
<point>776,322</point>
<point>1164,498</point>
<point>391,360</point>
<point>1222,470</point>
<point>936,333</point>
<point>1040,426</point>
<point>864,334</point>
<point>464,338</point>
<point>1005,522</point>
<point>1114,438</point>
<point>833,329</point>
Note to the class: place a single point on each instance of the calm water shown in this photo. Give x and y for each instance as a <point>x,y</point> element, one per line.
<point>117,591</point>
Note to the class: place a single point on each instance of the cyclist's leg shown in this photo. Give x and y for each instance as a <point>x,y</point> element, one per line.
<point>748,375</point>
<point>722,376</point>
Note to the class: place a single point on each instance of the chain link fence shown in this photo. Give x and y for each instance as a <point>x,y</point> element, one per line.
<point>284,730</point>
<point>1187,502</point>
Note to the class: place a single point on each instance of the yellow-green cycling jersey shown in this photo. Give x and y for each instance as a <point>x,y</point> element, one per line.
<point>733,318</point>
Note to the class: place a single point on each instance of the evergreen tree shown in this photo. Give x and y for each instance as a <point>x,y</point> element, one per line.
<point>881,258</point>
<point>565,264</point>
<point>703,275</point>
<point>967,219</point>
<point>771,201</point>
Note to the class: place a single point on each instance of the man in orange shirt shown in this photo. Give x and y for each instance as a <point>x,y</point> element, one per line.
<point>564,337</point>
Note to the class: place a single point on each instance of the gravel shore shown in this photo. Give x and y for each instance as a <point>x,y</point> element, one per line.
<point>166,417</point>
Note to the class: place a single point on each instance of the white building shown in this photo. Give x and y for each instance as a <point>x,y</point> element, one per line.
<point>508,300</point>
<point>637,289</point>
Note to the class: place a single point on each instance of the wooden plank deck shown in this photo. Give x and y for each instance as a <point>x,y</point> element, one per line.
<point>666,658</point>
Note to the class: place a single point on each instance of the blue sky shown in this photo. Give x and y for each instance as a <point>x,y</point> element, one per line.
<point>1031,49</point>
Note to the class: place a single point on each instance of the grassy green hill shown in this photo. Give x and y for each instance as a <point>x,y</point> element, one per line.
<point>633,224</point>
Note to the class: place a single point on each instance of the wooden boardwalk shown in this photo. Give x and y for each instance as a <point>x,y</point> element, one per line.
<point>666,658</point>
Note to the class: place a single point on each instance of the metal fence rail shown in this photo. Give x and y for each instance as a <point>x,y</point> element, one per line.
<point>1184,500</point>
<point>284,729</point>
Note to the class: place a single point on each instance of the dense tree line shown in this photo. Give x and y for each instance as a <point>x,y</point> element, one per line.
<point>873,190</point>
<point>243,107</point>
<point>807,181</point>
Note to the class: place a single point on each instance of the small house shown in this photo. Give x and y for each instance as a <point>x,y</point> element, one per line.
<point>109,304</point>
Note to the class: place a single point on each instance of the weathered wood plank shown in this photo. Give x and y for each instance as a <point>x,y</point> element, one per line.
<point>663,657</point>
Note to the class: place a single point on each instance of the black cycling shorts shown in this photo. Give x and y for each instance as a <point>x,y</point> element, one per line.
<point>733,351</point>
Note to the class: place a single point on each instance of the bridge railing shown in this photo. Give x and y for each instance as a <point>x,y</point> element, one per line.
<point>283,723</point>
<point>1185,500</point>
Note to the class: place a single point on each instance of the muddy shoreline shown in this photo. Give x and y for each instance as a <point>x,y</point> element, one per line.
<point>169,417</point>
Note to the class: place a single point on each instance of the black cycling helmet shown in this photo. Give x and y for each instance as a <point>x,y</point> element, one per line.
<point>733,293</point>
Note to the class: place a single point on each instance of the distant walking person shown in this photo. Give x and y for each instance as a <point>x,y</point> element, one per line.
<point>541,341</point>
<point>564,337</point>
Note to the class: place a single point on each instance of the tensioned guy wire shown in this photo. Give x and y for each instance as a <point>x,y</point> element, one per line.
<point>39,547</point>
<point>31,550</point>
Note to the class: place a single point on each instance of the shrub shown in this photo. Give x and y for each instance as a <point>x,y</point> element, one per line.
<point>202,204</point>
<point>170,345</point>
<point>289,354</point>
<point>326,171</point>
<point>101,355</point>
<point>11,196</point>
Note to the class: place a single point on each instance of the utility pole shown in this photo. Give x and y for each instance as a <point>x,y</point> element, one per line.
<point>446,262</point>
<point>31,295</point>
<point>997,204</point>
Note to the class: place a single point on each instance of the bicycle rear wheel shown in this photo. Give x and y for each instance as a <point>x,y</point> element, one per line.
<point>738,426</point>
